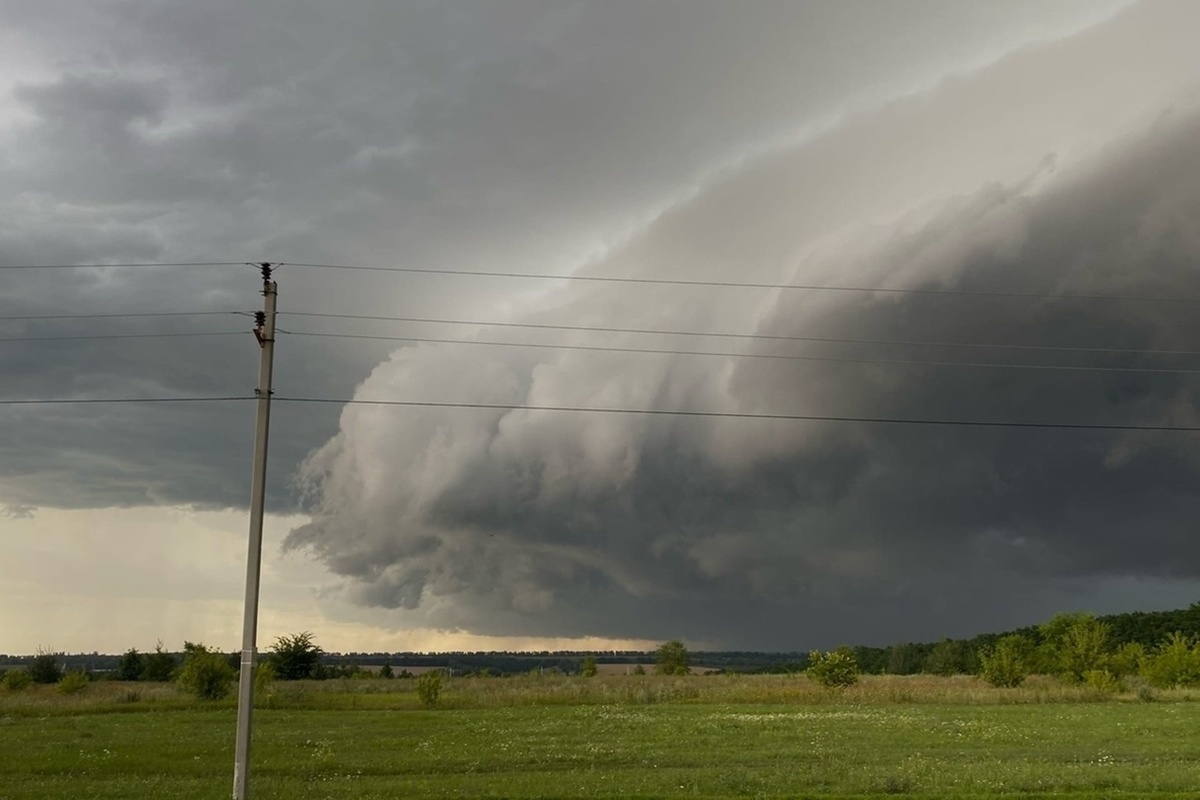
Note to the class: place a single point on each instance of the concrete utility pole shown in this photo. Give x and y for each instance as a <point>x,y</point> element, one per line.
<point>264,331</point>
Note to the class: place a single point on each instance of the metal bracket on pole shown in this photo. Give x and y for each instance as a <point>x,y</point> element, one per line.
<point>264,332</point>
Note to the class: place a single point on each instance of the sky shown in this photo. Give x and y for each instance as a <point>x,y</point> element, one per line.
<point>989,150</point>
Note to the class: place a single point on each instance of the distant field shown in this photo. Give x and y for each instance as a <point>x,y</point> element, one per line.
<point>612,736</point>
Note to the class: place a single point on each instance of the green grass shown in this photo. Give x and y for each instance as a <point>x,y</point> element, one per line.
<point>364,742</point>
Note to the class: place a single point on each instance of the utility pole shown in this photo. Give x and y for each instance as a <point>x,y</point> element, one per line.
<point>264,332</point>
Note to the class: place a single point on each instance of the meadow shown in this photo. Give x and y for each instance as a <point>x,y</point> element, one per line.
<point>609,736</point>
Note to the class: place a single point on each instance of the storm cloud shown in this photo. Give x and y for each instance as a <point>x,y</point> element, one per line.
<point>933,144</point>
<point>548,521</point>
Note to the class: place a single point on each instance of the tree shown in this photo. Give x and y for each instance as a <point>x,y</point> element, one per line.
<point>296,657</point>
<point>205,673</point>
<point>835,669</point>
<point>159,665</point>
<point>1007,663</point>
<point>386,671</point>
<point>904,659</point>
<point>1073,645</point>
<point>672,658</point>
<point>588,668</point>
<point>45,667</point>
<point>948,657</point>
<point>130,667</point>
<point>1176,662</point>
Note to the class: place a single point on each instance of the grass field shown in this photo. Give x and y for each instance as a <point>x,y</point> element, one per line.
<point>617,736</point>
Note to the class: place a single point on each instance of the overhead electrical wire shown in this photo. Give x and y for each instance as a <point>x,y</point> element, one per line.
<point>763,336</point>
<point>631,411</point>
<point>89,337</point>
<point>776,356</point>
<point>72,401</point>
<point>746,284</point>
<point>746,415</point>
<point>127,265</point>
<point>133,315</point>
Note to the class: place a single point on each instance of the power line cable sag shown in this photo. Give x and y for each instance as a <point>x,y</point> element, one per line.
<point>640,411</point>
<point>615,329</point>
<point>74,401</point>
<point>126,265</point>
<point>747,415</point>
<point>90,337</point>
<point>746,285</point>
<point>759,336</point>
<point>775,356</point>
<point>614,279</point>
<point>132,315</point>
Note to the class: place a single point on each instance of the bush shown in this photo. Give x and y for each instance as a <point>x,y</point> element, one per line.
<point>1103,681</point>
<point>205,673</point>
<point>73,682</point>
<point>588,668</point>
<point>835,669</point>
<point>16,679</point>
<point>429,687</point>
<point>264,677</point>
<point>1127,660</point>
<point>1175,663</point>
<point>1007,663</point>
<point>45,667</point>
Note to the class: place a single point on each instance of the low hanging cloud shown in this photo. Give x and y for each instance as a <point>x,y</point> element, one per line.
<point>768,532</point>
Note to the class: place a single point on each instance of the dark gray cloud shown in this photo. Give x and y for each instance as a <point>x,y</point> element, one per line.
<point>548,522</point>
<point>675,138</point>
<point>458,135</point>
<point>529,521</point>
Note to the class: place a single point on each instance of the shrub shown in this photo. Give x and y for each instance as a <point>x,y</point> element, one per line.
<point>1175,663</point>
<point>588,668</point>
<point>835,669</point>
<point>45,667</point>
<point>1127,660</point>
<point>73,682</point>
<point>264,677</point>
<point>1007,663</point>
<point>429,687</point>
<point>1103,681</point>
<point>205,673</point>
<point>16,679</point>
<point>639,670</point>
<point>386,672</point>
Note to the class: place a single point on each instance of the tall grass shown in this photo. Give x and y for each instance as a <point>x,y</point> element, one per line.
<point>566,690</point>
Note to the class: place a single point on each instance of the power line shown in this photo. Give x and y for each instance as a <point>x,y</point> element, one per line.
<point>777,356</point>
<point>61,401</point>
<point>633,411</point>
<point>747,285</point>
<point>738,415</point>
<point>118,336</point>
<point>135,315</point>
<point>764,336</point>
<point>129,265</point>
